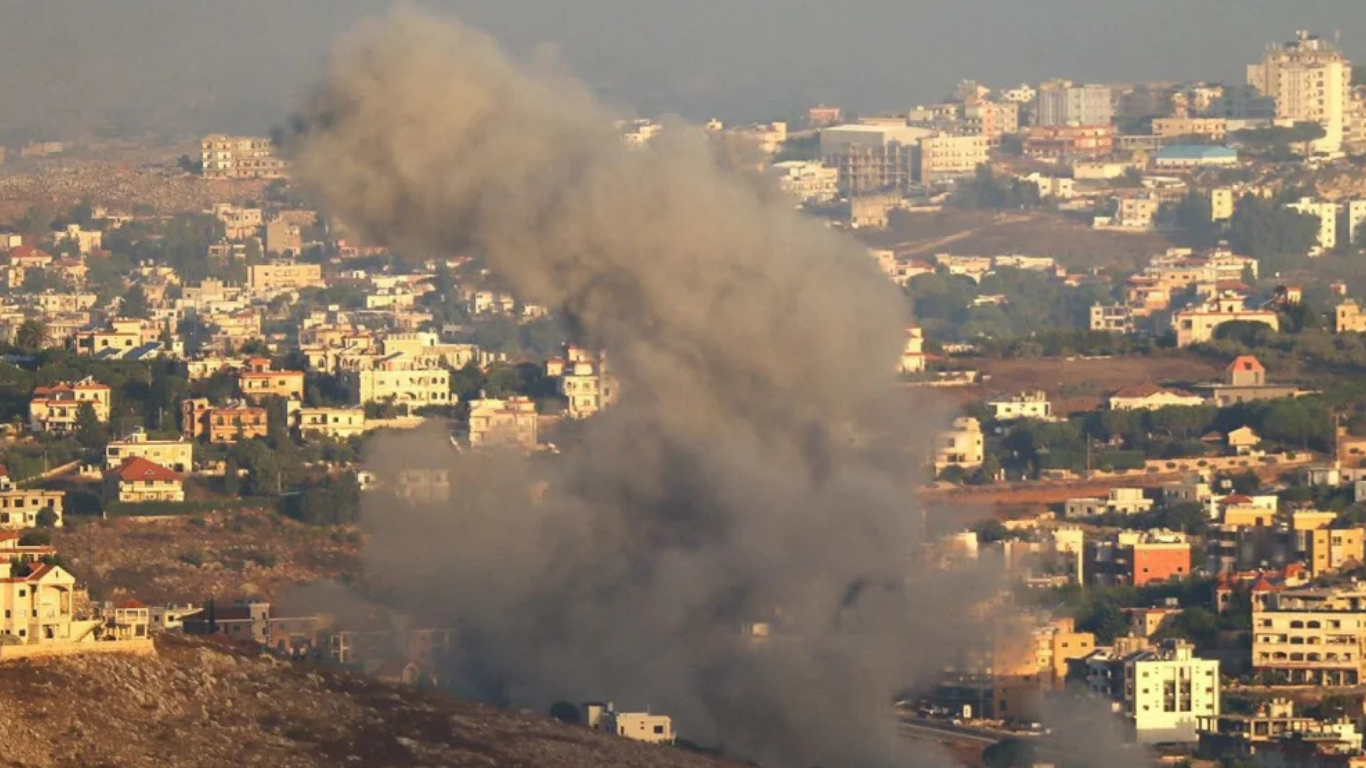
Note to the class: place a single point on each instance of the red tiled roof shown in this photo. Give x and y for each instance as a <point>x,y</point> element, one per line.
<point>138,468</point>
<point>1245,363</point>
<point>130,604</point>
<point>1236,498</point>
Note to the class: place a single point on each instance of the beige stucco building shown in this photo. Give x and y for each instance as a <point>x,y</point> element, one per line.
<point>961,445</point>
<point>240,157</point>
<point>510,421</point>
<point>403,381</point>
<point>338,423</point>
<point>1198,325</point>
<point>1310,81</point>
<point>138,480</point>
<point>20,507</point>
<point>38,608</point>
<point>1312,635</point>
<point>285,276</point>
<point>177,454</point>
<point>56,408</point>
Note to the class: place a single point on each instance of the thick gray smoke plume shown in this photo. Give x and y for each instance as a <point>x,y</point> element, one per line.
<point>760,465</point>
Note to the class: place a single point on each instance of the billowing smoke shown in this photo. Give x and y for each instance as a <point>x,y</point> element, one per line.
<point>760,465</point>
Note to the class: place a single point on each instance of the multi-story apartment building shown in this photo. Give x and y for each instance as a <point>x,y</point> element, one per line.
<point>337,423</point>
<point>509,421</point>
<point>872,158</point>
<point>56,408</point>
<point>38,608</point>
<point>1198,324</point>
<point>284,237</point>
<point>1221,203</point>
<point>1168,690</point>
<point>240,157</point>
<point>257,382</point>
<point>238,223</point>
<point>1022,405</point>
<point>120,335</point>
<point>1310,80</point>
<point>403,381</point>
<point>807,181</point>
<point>945,156</point>
<point>137,481</point>
<point>20,507</point>
<point>1116,318</point>
<point>1142,557</point>
<point>1062,103</point>
<point>1314,636</point>
<point>227,424</point>
<point>176,454</point>
<point>961,445</point>
<point>992,119</point>
<point>283,276</point>
<point>1215,128</point>
<point>586,381</point>
<point>1063,142</point>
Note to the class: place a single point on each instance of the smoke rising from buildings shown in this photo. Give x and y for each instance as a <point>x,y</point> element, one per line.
<point>760,465</point>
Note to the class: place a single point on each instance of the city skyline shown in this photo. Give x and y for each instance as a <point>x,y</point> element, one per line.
<point>67,68</point>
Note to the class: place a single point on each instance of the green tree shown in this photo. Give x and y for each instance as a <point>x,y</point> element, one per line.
<point>1195,214</point>
<point>232,481</point>
<point>31,335</point>
<point>47,517</point>
<point>1270,231</point>
<point>91,433</point>
<point>134,303</point>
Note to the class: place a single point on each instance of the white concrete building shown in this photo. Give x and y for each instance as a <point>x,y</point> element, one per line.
<point>1310,81</point>
<point>1166,690</point>
<point>1023,405</point>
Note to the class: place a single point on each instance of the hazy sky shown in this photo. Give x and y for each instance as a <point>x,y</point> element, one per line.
<point>66,65</point>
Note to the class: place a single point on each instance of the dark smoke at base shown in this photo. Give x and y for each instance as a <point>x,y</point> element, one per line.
<point>761,463</point>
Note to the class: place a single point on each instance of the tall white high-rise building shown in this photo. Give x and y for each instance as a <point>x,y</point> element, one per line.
<point>1311,82</point>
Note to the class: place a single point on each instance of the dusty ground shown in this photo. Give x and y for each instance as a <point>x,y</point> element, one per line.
<point>1077,384</point>
<point>223,555</point>
<point>201,705</point>
<point>987,233</point>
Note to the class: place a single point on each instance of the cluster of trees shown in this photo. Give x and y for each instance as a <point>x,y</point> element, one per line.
<point>1274,234</point>
<point>1033,303</point>
<point>1030,446</point>
<point>988,191</point>
<point>1277,142</point>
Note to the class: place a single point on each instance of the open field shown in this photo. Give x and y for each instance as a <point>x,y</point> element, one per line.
<point>1077,384</point>
<point>988,233</point>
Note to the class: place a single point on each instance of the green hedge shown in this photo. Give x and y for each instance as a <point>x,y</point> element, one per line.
<point>1120,459</point>
<point>177,508</point>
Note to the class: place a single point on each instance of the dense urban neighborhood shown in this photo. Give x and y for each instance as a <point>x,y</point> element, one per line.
<point>1134,332</point>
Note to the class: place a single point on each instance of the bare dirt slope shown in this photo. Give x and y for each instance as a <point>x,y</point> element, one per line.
<point>202,705</point>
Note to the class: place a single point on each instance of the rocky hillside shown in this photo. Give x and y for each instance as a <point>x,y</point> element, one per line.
<point>204,705</point>
<point>189,559</point>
